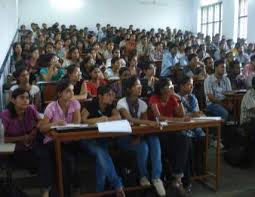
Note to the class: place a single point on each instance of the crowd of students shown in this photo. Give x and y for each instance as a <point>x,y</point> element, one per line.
<point>138,75</point>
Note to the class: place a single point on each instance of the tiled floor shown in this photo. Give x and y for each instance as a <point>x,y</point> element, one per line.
<point>234,183</point>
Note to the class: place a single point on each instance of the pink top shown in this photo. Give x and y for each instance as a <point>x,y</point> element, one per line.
<point>14,127</point>
<point>248,69</point>
<point>54,113</point>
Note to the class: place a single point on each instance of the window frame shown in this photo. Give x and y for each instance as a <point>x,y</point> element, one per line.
<point>240,17</point>
<point>213,22</point>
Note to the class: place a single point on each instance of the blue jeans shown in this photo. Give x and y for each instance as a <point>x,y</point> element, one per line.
<point>218,110</point>
<point>148,145</point>
<point>104,165</point>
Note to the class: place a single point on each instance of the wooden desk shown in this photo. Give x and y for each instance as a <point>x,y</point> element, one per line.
<point>140,131</point>
<point>235,98</point>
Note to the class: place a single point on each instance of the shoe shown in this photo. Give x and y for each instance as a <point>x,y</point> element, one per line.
<point>144,181</point>
<point>120,192</point>
<point>179,188</point>
<point>159,186</point>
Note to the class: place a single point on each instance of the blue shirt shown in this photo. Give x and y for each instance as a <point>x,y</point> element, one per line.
<point>167,62</point>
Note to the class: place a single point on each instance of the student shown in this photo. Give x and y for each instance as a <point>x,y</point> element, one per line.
<point>73,57</point>
<point>235,76</point>
<point>20,121</point>
<point>101,109</point>
<point>124,74</point>
<point>94,81</point>
<point>166,105</point>
<point>53,71</point>
<point>113,72</point>
<point>132,65</point>
<point>149,80</point>
<point>215,86</point>
<point>32,63</point>
<point>169,59</point>
<point>17,53</point>
<point>74,76</point>
<point>60,112</point>
<point>133,109</point>
<point>22,76</point>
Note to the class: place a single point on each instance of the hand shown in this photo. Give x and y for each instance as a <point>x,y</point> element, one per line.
<point>103,119</point>
<point>60,123</point>
<point>153,124</point>
<point>197,114</point>
<point>187,118</point>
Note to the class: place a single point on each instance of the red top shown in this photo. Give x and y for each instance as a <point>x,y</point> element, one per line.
<point>92,88</point>
<point>164,109</point>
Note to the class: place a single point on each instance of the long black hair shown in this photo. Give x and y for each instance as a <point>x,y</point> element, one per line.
<point>18,72</point>
<point>128,84</point>
<point>11,106</point>
<point>161,83</point>
<point>62,85</point>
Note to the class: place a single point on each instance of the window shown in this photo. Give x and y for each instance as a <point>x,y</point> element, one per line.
<point>243,18</point>
<point>211,19</point>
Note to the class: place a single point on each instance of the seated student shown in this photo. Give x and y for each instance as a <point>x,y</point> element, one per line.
<point>95,81</point>
<point>74,76</point>
<point>17,54</point>
<point>101,109</point>
<point>85,66</point>
<point>53,71</point>
<point>195,68</point>
<point>132,65</point>
<point>32,63</point>
<point>247,117</point>
<point>60,112</point>
<point>190,103</point>
<point>215,86</point>
<point>166,105</point>
<point>124,74</point>
<point>22,76</point>
<point>250,67</point>
<point>20,121</point>
<point>113,72</point>
<point>149,80</point>
<point>134,110</point>
<point>237,80</point>
<point>209,65</point>
<point>73,57</point>
<point>116,53</point>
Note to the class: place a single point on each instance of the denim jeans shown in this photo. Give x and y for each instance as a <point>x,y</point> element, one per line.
<point>148,145</point>
<point>104,165</point>
<point>218,110</point>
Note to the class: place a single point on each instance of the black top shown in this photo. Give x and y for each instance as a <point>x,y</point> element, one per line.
<point>94,110</point>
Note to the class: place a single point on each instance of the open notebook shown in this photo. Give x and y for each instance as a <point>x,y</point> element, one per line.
<point>7,148</point>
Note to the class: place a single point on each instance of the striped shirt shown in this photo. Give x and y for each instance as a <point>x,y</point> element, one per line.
<point>216,87</point>
<point>247,107</point>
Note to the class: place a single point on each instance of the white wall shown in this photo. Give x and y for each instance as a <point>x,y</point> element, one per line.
<point>8,24</point>
<point>116,12</point>
<point>230,18</point>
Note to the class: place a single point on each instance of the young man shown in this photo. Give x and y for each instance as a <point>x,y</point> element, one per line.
<point>215,86</point>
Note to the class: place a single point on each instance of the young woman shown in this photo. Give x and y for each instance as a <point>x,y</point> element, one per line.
<point>101,109</point>
<point>17,53</point>
<point>21,121</point>
<point>166,105</point>
<point>53,71</point>
<point>73,57</point>
<point>134,110</point>
<point>22,77</point>
<point>124,74</point>
<point>60,112</point>
<point>95,81</point>
<point>74,76</point>
<point>132,65</point>
<point>149,80</point>
<point>32,63</point>
<point>112,72</point>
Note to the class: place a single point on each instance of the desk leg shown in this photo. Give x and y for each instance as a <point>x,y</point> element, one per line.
<point>59,167</point>
<point>206,150</point>
<point>218,158</point>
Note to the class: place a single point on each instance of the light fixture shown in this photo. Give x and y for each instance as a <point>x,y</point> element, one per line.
<point>67,5</point>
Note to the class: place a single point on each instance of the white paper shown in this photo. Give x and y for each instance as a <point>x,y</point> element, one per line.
<point>207,118</point>
<point>70,126</point>
<point>7,148</point>
<point>118,126</point>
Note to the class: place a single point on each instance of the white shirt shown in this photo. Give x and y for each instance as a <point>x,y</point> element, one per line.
<point>33,91</point>
<point>122,104</point>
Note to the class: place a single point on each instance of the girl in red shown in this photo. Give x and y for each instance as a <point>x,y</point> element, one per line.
<point>95,81</point>
<point>165,105</point>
